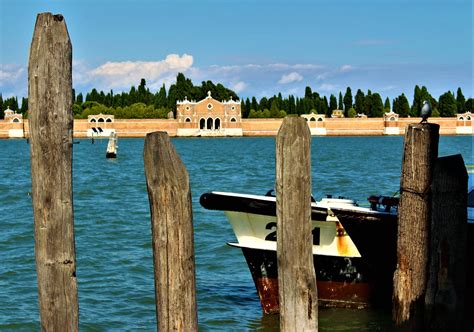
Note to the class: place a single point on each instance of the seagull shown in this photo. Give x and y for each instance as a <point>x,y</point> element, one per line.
<point>425,111</point>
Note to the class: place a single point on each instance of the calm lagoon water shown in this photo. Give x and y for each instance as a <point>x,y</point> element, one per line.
<point>113,237</point>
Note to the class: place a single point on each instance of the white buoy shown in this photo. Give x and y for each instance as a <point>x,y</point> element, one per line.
<point>112,146</point>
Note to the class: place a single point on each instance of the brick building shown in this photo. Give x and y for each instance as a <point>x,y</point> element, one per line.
<point>208,117</point>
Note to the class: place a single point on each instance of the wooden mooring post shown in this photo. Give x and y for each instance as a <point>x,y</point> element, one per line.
<point>51,124</point>
<point>296,276</point>
<point>172,235</point>
<point>410,278</point>
<point>446,288</point>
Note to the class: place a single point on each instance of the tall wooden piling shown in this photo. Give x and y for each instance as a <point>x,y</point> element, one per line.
<point>445,294</point>
<point>172,235</point>
<point>296,277</point>
<point>410,278</point>
<point>51,124</point>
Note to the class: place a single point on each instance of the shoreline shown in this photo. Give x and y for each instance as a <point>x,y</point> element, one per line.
<point>138,128</point>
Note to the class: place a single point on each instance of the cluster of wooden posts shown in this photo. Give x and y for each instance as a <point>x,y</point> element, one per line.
<point>432,215</point>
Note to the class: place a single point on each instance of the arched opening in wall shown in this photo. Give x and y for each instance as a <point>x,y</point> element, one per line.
<point>209,124</point>
<point>100,120</point>
<point>461,118</point>
<point>391,118</point>
<point>312,119</point>
<point>217,124</point>
<point>306,119</point>
<point>468,118</point>
<point>108,120</point>
<point>187,120</point>
<point>16,120</point>
<point>93,120</point>
<point>320,119</point>
<point>233,120</point>
<point>202,124</point>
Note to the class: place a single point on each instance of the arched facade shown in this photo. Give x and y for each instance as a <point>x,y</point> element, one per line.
<point>390,122</point>
<point>316,123</point>
<point>465,124</point>
<point>11,116</point>
<point>100,125</point>
<point>209,117</point>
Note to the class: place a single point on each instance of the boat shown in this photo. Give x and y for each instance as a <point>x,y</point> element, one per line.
<point>354,247</point>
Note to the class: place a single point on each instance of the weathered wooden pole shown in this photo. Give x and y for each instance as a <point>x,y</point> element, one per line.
<point>172,235</point>
<point>296,277</point>
<point>410,278</point>
<point>445,293</point>
<point>51,123</point>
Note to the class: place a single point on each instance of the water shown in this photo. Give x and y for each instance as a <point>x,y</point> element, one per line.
<point>113,236</point>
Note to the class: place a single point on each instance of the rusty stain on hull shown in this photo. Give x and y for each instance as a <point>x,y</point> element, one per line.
<point>330,294</point>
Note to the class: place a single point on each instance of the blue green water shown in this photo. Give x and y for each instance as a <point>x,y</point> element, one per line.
<point>113,237</point>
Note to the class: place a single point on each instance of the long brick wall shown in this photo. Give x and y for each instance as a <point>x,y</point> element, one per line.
<point>250,127</point>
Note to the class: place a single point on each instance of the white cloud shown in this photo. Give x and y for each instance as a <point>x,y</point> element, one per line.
<point>327,87</point>
<point>239,86</point>
<point>291,77</point>
<point>127,73</point>
<point>11,74</point>
<point>346,68</point>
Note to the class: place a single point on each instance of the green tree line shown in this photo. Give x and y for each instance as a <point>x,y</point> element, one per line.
<point>139,102</point>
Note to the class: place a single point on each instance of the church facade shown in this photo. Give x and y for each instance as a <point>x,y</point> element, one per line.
<point>208,117</point>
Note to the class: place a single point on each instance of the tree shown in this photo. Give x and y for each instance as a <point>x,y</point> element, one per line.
<point>160,98</point>
<point>24,105</point>
<point>469,106</point>
<point>404,107</point>
<point>254,104</point>
<point>248,107</point>
<point>263,103</point>
<point>386,106</point>
<point>79,99</point>
<point>332,103</point>
<point>347,100</point>
<point>447,105</point>
<point>1,106</point>
<point>352,113</point>
<point>460,101</point>
<point>368,104</point>
<point>377,106</point>
<point>417,102</point>
<point>308,93</point>
<point>360,102</point>
<point>340,104</point>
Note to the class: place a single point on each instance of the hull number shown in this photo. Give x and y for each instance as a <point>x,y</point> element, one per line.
<point>272,236</point>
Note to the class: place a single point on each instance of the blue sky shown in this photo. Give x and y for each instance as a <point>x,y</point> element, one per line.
<point>258,48</point>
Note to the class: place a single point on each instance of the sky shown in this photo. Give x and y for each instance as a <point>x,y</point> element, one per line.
<point>255,47</point>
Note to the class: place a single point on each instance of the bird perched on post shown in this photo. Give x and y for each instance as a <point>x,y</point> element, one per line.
<point>425,111</point>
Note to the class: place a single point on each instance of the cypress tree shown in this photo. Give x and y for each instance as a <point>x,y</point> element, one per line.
<point>254,104</point>
<point>360,102</point>
<point>386,106</point>
<point>24,105</point>
<point>368,104</point>
<point>1,106</point>
<point>447,105</point>
<point>340,104</point>
<point>460,101</point>
<point>404,106</point>
<point>377,105</point>
<point>248,106</point>
<point>417,102</point>
<point>347,101</point>
<point>79,99</point>
<point>332,103</point>
<point>469,106</point>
